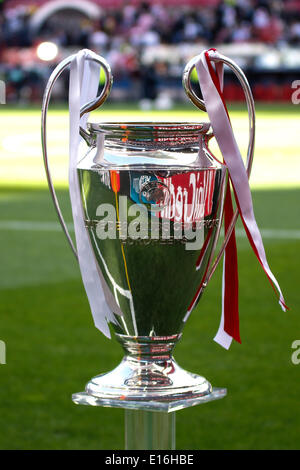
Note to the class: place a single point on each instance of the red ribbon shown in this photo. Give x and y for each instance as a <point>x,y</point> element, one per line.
<point>211,83</point>
<point>231,292</point>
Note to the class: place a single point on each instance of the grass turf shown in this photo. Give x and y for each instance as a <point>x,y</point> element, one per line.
<point>53,348</point>
<point>276,156</point>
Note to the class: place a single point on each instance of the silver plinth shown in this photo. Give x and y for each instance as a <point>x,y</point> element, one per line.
<point>147,430</point>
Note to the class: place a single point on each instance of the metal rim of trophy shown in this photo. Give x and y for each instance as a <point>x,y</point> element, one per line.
<point>99,100</point>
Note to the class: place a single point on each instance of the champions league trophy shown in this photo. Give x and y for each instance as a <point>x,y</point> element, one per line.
<point>150,201</point>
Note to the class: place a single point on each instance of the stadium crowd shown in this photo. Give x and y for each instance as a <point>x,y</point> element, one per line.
<point>152,24</point>
<point>123,34</point>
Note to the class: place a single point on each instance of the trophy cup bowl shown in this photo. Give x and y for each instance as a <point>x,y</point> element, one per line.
<point>152,197</point>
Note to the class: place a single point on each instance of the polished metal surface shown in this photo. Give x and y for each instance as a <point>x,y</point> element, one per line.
<point>150,135</point>
<point>155,274</point>
<point>149,378</point>
<point>83,398</point>
<point>86,108</point>
<point>153,204</point>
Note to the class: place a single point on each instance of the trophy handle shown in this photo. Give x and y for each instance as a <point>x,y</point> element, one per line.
<point>98,101</point>
<point>186,81</point>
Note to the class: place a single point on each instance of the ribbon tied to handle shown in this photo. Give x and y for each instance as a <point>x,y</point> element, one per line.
<point>211,84</point>
<point>83,86</point>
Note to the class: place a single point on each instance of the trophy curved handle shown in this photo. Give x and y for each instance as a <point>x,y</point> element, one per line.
<point>98,101</point>
<point>199,103</point>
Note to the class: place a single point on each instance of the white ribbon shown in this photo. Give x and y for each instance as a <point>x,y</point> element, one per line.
<point>84,81</point>
<point>224,135</point>
<point>223,338</point>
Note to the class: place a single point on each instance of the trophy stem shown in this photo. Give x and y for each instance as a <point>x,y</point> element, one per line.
<point>149,430</point>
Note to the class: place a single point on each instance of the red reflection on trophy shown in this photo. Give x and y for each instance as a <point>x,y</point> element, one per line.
<point>115,180</point>
<point>191,196</point>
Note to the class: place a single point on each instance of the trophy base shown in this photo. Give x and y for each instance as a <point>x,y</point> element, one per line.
<point>148,385</point>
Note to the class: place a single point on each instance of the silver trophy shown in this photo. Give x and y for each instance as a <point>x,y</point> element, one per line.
<point>153,197</point>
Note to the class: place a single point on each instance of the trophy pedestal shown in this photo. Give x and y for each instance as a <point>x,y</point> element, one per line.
<point>149,385</point>
<point>147,430</point>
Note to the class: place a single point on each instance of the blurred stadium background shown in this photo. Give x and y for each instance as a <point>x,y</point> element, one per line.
<point>52,346</point>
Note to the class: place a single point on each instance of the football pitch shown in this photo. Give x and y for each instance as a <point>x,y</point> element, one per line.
<point>52,346</point>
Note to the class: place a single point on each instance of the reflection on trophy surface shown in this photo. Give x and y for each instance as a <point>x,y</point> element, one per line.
<point>153,225</point>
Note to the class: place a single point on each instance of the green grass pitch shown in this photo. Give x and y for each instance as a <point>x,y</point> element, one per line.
<point>52,347</point>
